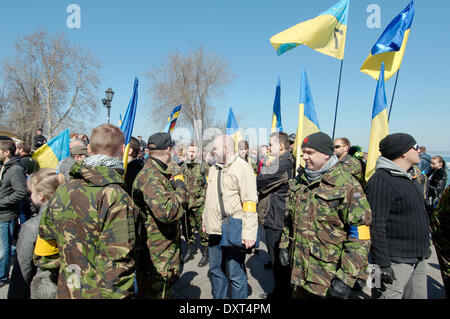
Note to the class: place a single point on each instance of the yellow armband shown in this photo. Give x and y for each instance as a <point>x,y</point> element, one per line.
<point>45,247</point>
<point>249,207</point>
<point>181,177</point>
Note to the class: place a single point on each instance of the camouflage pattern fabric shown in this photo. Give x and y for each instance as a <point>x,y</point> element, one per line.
<point>354,167</point>
<point>163,206</point>
<point>92,220</point>
<point>440,230</point>
<point>320,232</point>
<point>194,178</point>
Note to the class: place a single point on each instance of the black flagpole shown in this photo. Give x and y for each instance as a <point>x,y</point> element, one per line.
<point>337,98</point>
<point>393,94</point>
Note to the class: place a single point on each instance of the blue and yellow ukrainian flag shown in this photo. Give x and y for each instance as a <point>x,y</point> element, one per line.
<point>57,149</point>
<point>307,119</point>
<point>325,33</point>
<point>380,127</point>
<point>276,117</point>
<point>128,122</point>
<point>391,46</point>
<point>233,129</point>
<point>173,119</point>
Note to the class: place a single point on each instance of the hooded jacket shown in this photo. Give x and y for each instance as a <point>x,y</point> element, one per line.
<point>400,225</point>
<point>13,189</point>
<point>91,219</point>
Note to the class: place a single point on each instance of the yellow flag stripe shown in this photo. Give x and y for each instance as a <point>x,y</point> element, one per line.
<point>378,131</point>
<point>46,157</point>
<point>392,61</point>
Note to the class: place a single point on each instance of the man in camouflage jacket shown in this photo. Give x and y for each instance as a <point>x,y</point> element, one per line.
<point>194,171</point>
<point>328,225</point>
<point>341,147</point>
<point>162,198</point>
<point>90,221</point>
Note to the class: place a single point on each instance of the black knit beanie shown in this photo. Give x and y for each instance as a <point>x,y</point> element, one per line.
<point>395,145</point>
<point>320,142</point>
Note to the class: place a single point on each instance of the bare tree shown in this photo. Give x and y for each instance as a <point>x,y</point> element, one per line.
<point>192,79</point>
<point>52,80</point>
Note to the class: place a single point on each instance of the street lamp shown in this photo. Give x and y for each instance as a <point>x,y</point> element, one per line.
<point>109,93</point>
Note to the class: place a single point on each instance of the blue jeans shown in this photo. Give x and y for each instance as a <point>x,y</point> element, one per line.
<point>226,264</point>
<point>6,238</point>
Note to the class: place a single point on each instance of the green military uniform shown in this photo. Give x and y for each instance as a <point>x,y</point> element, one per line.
<point>327,230</point>
<point>194,177</point>
<point>92,221</point>
<point>163,206</point>
<point>440,230</point>
<point>353,165</point>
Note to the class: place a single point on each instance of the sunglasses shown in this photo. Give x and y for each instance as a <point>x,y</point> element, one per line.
<point>416,147</point>
<point>338,146</point>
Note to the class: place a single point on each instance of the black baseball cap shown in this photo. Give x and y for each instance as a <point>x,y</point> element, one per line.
<point>160,141</point>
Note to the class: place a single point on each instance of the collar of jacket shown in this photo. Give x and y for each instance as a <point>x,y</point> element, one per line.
<point>96,175</point>
<point>345,158</point>
<point>391,167</point>
<point>330,177</point>
<point>229,163</point>
<point>160,166</point>
<point>15,160</point>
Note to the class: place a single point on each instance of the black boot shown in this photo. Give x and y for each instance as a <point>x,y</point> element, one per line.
<point>189,253</point>
<point>205,257</point>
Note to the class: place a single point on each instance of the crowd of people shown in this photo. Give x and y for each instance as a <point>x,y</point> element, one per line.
<point>92,228</point>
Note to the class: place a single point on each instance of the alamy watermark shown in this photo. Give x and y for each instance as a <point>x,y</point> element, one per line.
<point>374,19</point>
<point>74,19</point>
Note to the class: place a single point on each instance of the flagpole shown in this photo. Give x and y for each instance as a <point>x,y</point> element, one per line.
<point>337,98</point>
<point>393,94</point>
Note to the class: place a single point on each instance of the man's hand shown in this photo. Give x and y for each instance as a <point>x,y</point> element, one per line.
<point>204,229</point>
<point>284,257</point>
<point>248,243</point>
<point>387,275</point>
<point>338,290</point>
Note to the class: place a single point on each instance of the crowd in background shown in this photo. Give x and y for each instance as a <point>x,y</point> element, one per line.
<point>49,235</point>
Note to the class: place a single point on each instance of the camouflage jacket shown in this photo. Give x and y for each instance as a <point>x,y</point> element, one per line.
<point>163,207</point>
<point>327,229</point>
<point>194,178</point>
<point>92,219</point>
<point>440,228</point>
<point>354,167</point>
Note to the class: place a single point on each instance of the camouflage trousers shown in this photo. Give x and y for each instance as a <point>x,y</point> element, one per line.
<point>155,287</point>
<point>191,222</point>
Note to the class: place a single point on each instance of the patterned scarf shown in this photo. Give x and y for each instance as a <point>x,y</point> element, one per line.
<point>315,175</point>
<point>104,160</point>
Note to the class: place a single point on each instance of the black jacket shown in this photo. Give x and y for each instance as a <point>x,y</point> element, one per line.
<point>38,141</point>
<point>13,189</point>
<point>400,224</point>
<point>133,169</point>
<point>277,206</point>
<point>29,164</point>
<point>436,184</point>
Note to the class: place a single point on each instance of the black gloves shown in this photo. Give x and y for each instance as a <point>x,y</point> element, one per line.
<point>338,289</point>
<point>387,275</point>
<point>284,257</point>
<point>359,285</point>
<point>178,183</point>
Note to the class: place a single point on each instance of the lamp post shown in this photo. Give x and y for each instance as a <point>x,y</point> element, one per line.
<point>109,93</point>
